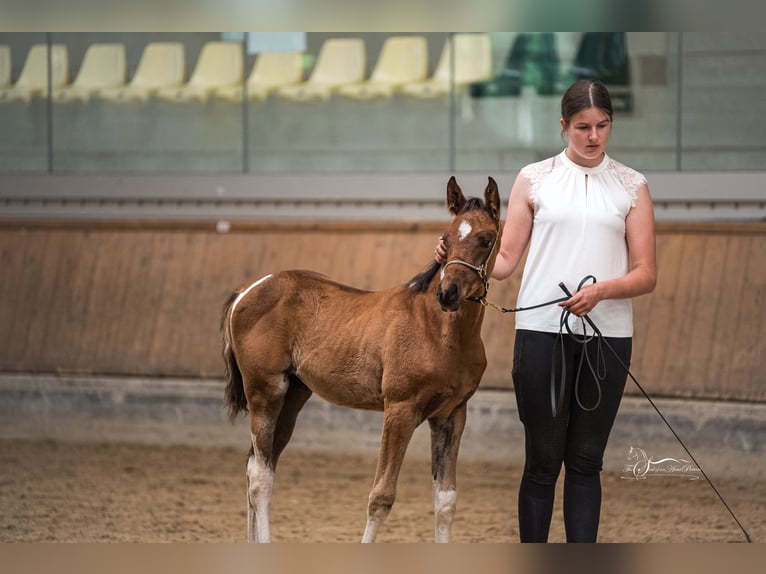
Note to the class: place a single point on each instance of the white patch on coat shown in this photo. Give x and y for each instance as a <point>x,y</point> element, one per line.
<point>246,291</point>
<point>464,230</point>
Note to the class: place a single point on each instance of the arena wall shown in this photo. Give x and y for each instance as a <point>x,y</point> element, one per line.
<point>145,298</point>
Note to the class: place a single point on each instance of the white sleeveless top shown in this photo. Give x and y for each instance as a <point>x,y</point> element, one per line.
<point>578,230</point>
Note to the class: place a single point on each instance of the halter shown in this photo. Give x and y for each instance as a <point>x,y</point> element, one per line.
<point>481,271</point>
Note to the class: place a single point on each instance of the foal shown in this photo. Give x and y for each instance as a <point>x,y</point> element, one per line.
<point>413,351</point>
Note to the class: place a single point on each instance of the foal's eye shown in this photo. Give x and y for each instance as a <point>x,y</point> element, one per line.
<point>485,243</point>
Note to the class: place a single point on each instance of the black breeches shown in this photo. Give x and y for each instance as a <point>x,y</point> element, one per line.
<point>576,437</point>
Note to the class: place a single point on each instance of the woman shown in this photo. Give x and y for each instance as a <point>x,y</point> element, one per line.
<point>580,213</point>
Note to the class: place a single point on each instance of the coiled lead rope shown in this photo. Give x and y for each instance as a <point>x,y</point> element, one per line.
<point>557,402</point>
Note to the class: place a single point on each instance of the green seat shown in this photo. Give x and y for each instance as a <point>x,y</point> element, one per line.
<point>532,61</point>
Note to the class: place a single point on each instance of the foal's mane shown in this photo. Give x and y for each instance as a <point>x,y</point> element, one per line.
<point>421,281</point>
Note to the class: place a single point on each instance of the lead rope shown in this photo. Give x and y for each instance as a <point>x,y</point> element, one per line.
<point>557,402</point>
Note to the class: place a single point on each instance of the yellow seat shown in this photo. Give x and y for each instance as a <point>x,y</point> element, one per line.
<point>219,65</point>
<point>473,63</point>
<point>340,61</point>
<point>33,80</point>
<point>272,70</point>
<point>402,60</point>
<point>5,66</point>
<point>161,66</point>
<point>103,66</point>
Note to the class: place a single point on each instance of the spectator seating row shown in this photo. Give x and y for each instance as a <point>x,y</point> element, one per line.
<point>33,80</point>
<point>339,69</point>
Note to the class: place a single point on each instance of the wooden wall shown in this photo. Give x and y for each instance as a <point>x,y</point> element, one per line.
<point>145,298</point>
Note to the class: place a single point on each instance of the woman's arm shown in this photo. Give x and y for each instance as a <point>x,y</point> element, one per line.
<point>642,276</point>
<point>516,230</point>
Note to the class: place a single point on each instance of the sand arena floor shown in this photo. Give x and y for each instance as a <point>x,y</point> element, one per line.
<point>76,492</point>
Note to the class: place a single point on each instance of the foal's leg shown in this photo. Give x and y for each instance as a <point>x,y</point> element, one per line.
<point>264,406</point>
<point>445,442</point>
<point>399,423</point>
<point>296,396</point>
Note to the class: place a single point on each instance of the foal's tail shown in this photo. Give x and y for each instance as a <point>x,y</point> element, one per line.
<point>234,398</point>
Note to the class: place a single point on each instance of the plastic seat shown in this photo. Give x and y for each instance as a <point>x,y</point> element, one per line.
<point>473,63</point>
<point>33,80</point>
<point>219,66</point>
<point>271,71</point>
<point>5,66</point>
<point>533,60</point>
<point>103,66</point>
<point>402,60</point>
<point>340,61</point>
<point>161,66</point>
<point>604,56</point>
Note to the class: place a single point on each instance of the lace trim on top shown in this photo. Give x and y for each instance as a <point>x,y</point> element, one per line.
<point>631,179</point>
<point>535,173</point>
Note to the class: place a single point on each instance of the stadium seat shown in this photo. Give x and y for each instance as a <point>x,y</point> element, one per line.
<point>33,80</point>
<point>473,63</point>
<point>403,59</point>
<point>340,61</point>
<point>219,65</point>
<point>103,66</point>
<point>5,66</point>
<point>532,61</point>
<point>272,70</point>
<point>161,66</point>
<point>604,56</point>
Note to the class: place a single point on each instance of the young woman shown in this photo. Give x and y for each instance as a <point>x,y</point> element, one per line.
<point>580,213</point>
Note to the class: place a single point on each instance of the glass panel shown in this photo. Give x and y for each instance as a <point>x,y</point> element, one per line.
<point>135,104</point>
<point>365,107</point>
<point>513,118</point>
<point>724,108</point>
<point>348,112</point>
<point>23,107</point>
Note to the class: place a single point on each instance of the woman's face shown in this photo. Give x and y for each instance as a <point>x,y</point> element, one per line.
<point>588,132</point>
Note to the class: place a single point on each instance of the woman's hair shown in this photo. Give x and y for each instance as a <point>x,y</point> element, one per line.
<point>585,94</point>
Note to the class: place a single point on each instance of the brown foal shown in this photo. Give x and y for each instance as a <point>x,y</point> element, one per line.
<point>413,351</point>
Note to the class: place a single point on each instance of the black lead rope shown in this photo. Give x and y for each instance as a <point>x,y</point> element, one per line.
<point>557,399</point>
<point>598,371</point>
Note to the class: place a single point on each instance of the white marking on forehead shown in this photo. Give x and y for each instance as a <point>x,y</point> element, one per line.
<point>246,291</point>
<point>464,230</point>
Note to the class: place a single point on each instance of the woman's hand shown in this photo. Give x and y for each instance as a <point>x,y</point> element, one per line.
<point>583,302</point>
<point>440,253</point>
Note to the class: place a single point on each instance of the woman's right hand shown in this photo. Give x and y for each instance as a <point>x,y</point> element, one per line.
<point>440,253</point>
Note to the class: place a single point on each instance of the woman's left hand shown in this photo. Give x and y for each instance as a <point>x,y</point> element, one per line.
<point>583,302</point>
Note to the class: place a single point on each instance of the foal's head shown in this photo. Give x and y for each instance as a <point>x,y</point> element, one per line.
<point>472,243</point>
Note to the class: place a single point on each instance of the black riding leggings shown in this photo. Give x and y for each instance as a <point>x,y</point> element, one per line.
<point>575,437</point>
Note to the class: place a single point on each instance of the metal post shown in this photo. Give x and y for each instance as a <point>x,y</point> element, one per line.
<point>49,101</point>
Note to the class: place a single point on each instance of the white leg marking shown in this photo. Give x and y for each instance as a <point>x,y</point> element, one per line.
<point>444,512</point>
<point>464,230</point>
<point>371,528</point>
<point>260,482</point>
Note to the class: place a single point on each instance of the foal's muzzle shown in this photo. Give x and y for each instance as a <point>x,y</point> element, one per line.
<point>449,299</point>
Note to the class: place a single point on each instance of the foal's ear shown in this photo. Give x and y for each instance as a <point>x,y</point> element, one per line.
<point>492,200</point>
<point>455,197</point>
